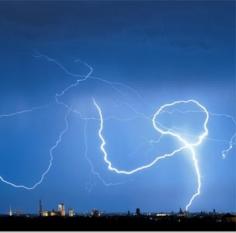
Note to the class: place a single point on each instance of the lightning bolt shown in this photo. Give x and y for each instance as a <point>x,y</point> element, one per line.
<point>93,171</point>
<point>186,144</point>
<point>62,133</point>
<point>58,141</point>
<point>80,78</point>
<point>12,114</point>
<point>116,86</point>
<point>231,142</point>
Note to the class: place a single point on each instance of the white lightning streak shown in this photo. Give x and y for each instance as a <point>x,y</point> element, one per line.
<point>80,78</point>
<point>232,140</point>
<point>58,141</point>
<point>93,171</point>
<point>23,111</point>
<point>186,144</point>
<point>161,129</point>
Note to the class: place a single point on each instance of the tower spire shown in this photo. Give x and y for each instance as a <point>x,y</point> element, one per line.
<point>10,211</point>
<point>40,208</point>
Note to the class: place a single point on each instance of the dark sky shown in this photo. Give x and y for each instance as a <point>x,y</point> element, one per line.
<point>166,51</point>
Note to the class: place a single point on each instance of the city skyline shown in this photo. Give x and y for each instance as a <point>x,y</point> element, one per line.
<point>61,210</point>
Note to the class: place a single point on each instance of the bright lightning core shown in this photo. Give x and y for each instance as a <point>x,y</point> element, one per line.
<point>186,144</point>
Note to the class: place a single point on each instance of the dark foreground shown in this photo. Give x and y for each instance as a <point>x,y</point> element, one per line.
<point>117,223</point>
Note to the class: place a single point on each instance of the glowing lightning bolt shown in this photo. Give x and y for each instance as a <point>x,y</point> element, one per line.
<point>231,142</point>
<point>230,147</point>
<point>161,129</point>
<point>187,145</point>
<point>58,141</point>
<point>93,171</point>
<point>23,111</point>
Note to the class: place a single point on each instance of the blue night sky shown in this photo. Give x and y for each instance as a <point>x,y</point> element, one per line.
<point>147,53</point>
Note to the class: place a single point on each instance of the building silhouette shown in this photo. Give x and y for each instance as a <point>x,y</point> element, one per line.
<point>40,208</point>
<point>71,213</point>
<point>46,213</point>
<point>95,213</point>
<point>138,212</point>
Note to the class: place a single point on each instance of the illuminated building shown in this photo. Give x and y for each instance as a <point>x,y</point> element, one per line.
<point>52,213</point>
<point>49,213</point>
<point>71,213</point>
<point>10,211</point>
<point>44,214</point>
<point>61,209</point>
<point>161,214</point>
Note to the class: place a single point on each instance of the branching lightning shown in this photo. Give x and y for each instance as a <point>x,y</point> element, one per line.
<point>186,144</point>
<point>232,140</point>
<point>12,114</point>
<point>58,141</point>
<point>93,171</point>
